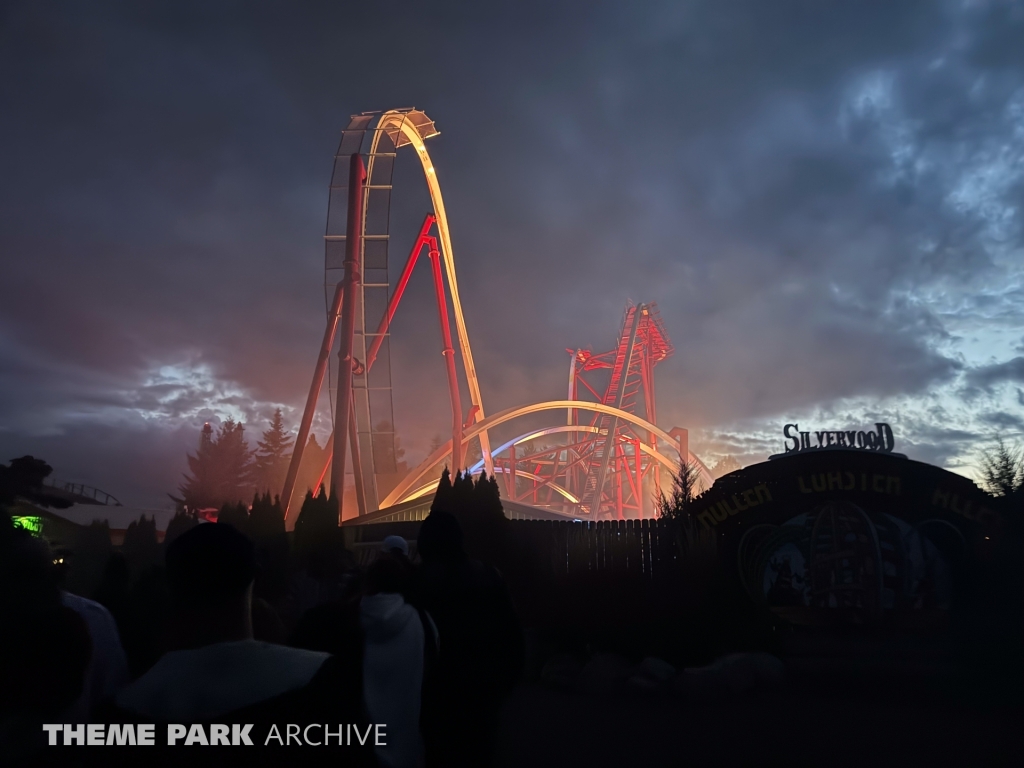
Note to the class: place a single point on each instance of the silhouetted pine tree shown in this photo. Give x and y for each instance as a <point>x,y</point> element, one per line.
<point>462,493</point>
<point>220,472</point>
<point>232,462</point>
<point>1002,475</point>
<point>270,462</point>
<point>488,496</point>
<point>266,518</point>
<point>140,547</point>
<point>698,547</point>
<point>484,525</point>
<point>200,488</point>
<point>685,488</point>
<point>1002,470</point>
<point>179,524</point>
<point>235,515</point>
<point>444,495</point>
<point>317,520</point>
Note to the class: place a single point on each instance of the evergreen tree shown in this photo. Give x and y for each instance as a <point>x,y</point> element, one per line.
<point>200,488</point>
<point>235,515</point>
<point>685,488</point>
<point>487,497</point>
<point>484,525</point>
<point>698,547</point>
<point>220,472</point>
<point>179,524</point>
<point>317,523</point>
<point>443,496</point>
<point>270,462</point>
<point>232,460</point>
<point>266,518</point>
<point>462,493</point>
<point>1002,475</point>
<point>1002,470</point>
<point>140,546</point>
<point>493,498</point>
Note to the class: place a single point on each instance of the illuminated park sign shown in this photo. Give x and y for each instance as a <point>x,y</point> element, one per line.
<point>30,523</point>
<point>879,439</point>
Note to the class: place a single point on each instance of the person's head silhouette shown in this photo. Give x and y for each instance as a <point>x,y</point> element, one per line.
<point>210,573</point>
<point>387,575</point>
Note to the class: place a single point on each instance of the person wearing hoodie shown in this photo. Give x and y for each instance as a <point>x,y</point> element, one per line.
<point>399,645</point>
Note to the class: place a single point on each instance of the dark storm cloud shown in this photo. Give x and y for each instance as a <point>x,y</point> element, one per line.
<point>821,198</point>
<point>986,376</point>
<point>1003,420</point>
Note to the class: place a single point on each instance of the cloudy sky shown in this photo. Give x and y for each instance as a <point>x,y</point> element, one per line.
<point>824,198</point>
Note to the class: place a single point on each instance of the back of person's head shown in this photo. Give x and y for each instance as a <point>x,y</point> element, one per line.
<point>28,576</point>
<point>389,574</point>
<point>440,538</point>
<point>395,544</point>
<point>211,563</point>
<point>44,647</point>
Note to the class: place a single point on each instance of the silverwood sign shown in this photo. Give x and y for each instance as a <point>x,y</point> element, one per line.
<point>880,439</point>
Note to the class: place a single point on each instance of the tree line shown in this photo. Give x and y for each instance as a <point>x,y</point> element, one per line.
<point>224,470</point>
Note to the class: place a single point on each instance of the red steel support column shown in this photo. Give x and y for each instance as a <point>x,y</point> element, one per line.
<point>449,358</point>
<point>403,281</point>
<point>353,443</point>
<point>353,258</point>
<point>328,455</point>
<point>652,415</point>
<point>311,398</point>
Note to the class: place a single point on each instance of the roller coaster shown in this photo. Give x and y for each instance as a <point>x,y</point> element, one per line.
<point>605,456</point>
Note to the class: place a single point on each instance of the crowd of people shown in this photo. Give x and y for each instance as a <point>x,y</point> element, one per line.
<point>428,647</point>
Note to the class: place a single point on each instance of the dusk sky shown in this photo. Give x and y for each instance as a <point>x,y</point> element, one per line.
<point>824,198</point>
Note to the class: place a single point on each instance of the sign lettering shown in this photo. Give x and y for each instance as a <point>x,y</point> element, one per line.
<point>880,439</point>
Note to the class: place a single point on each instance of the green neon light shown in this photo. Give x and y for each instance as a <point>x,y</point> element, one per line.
<point>31,523</point>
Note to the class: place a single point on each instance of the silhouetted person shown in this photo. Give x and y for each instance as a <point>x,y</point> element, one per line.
<point>397,549</point>
<point>399,652</point>
<point>481,645</point>
<point>266,622</point>
<point>115,586</point>
<point>44,646</point>
<point>220,673</point>
<point>395,545</point>
<point>107,672</point>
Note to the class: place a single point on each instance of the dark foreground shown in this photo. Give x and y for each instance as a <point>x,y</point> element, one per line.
<point>947,721</point>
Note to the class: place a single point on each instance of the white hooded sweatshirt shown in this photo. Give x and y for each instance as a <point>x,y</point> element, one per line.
<point>393,676</point>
